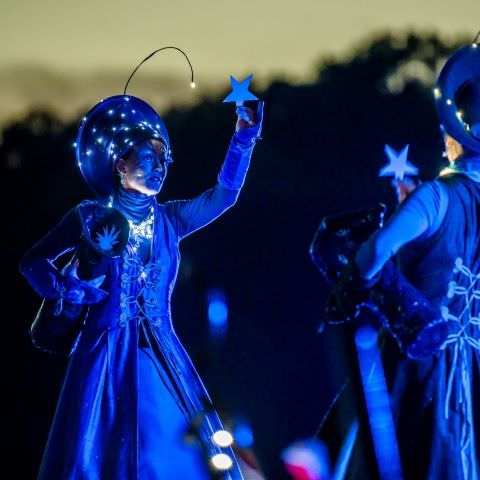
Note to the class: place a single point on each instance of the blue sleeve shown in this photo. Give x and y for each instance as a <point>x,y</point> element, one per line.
<point>190,215</point>
<point>187,216</point>
<point>420,215</point>
<point>37,265</point>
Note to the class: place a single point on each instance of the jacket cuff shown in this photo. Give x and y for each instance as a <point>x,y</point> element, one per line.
<point>235,167</point>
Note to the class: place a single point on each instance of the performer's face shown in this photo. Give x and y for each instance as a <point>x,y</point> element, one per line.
<point>144,168</point>
<point>453,149</point>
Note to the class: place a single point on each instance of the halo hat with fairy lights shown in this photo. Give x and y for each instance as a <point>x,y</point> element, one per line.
<point>111,128</point>
<point>457,96</point>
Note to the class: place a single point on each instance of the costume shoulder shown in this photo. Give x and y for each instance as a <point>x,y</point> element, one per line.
<point>89,210</point>
<point>89,205</point>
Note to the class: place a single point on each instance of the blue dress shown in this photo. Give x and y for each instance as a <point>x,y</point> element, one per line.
<point>436,400</point>
<point>130,390</point>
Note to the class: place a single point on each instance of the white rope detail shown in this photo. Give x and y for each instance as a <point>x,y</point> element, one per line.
<point>459,343</point>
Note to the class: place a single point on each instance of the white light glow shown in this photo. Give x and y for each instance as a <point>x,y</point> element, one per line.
<point>222,438</point>
<point>221,461</point>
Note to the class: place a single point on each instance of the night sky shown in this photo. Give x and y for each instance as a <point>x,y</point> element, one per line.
<point>322,147</point>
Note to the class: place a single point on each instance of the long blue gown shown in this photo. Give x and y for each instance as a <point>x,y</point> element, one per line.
<point>130,390</point>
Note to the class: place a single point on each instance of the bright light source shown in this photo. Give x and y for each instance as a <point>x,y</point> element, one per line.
<point>221,461</point>
<point>222,438</point>
<point>193,85</point>
<point>217,313</point>
<point>243,435</point>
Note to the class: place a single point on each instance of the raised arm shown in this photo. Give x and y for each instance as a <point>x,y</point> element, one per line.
<point>190,215</point>
<point>420,214</point>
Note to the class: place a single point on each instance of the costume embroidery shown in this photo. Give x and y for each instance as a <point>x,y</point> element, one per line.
<point>459,341</point>
<point>108,238</point>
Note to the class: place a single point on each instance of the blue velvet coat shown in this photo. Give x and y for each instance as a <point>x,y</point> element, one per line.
<point>128,357</point>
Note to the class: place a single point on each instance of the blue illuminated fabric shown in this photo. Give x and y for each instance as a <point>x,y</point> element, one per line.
<point>130,390</point>
<point>436,233</point>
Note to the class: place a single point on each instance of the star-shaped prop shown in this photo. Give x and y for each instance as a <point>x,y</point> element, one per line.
<point>240,93</point>
<point>398,165</point>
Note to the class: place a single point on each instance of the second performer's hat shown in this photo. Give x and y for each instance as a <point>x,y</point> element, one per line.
<point>457,96</point>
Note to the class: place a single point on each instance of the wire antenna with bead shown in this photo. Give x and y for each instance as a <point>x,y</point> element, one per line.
<point>476,40</point>
<point>192,80</point>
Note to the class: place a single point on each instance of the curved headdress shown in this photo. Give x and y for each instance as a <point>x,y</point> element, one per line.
<point>457,96</point>
<point>108,130</point>
<point>112,127</point>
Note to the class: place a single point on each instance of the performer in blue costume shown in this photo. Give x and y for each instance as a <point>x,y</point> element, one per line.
<point>130,391</point>
<point>435,234</point>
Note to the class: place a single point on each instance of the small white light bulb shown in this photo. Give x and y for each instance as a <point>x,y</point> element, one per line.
<point>221,461</point>
<point>193,85</point>
<point>222,438</point>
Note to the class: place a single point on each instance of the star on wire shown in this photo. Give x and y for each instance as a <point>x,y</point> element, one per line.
<point>398,165</point>
<point>240,93</point>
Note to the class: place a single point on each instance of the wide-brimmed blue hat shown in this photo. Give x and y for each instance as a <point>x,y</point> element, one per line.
<point>457,96</point>
<point>108,131</point>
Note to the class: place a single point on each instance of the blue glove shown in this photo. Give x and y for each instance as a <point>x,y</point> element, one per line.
<point>249,125</point>
<point>82,292</point>
<point>235,167</point>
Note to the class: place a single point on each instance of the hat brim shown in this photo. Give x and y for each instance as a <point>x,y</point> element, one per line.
<point>460,68</point>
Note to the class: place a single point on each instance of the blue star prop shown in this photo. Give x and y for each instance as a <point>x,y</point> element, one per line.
<point>240,93</point>
<point>398,165</point>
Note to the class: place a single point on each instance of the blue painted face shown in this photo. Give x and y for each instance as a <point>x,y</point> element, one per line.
<point>144,168</point>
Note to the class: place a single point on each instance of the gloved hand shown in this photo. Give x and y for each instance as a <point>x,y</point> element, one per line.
<point>73,290</point>
<point>234,168</point>
<point>249,123</point>
<point>350,291</point>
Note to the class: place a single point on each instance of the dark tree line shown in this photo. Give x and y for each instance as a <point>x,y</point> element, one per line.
<point>321,151</point>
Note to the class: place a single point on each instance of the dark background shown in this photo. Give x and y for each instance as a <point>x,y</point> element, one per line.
<point>321,152</point>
